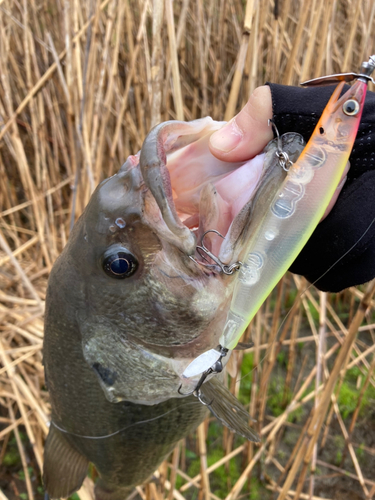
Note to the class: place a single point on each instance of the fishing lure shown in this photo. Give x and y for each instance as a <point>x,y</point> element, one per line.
<point>293,214</point>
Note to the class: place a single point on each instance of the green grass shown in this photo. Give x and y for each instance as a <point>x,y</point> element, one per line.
<point>282,358</point>
<point>339,443</point>
<point>21,473</point>
<point>276,401</point>
<point>74,497</point>
<point>12,457</point>
<point>349,393</point>
<point>219,484</point>
<point>292,295</point>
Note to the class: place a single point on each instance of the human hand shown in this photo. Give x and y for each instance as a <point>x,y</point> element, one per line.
<point>247,134</point>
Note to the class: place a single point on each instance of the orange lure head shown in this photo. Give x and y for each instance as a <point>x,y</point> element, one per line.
<point>340,120</point>
<point>340,111</point>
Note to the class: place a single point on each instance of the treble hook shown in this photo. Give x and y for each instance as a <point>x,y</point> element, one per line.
<point>217,367</point>
<point>202,248</point>
<point>279,141</point>
<point>197,390</point>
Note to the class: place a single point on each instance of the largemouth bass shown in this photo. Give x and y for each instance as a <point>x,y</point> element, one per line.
<point>131,302</point>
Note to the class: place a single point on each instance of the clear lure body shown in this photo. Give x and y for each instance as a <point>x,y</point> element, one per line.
<point>296,209</point>
<point>294,212</point>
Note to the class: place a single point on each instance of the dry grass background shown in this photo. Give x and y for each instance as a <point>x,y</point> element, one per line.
<point>81,83</point>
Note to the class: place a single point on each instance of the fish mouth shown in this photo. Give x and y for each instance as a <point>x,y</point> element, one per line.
<point>196,192</point>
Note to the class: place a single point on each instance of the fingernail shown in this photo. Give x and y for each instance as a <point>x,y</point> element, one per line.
<point>340,186</point>
<point>227,138</point>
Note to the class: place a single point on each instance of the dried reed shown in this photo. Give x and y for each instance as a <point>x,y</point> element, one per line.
<point>81,83</point>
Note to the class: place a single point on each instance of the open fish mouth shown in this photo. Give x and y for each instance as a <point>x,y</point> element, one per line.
<point>194,191</point>
<point>171,310</point>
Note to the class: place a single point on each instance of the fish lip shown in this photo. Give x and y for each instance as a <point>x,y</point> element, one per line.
<point>153,165</point>
<point>163,141</point>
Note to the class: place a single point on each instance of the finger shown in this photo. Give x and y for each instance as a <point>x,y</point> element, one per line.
<point>337,192</point>
<point>247,134</point>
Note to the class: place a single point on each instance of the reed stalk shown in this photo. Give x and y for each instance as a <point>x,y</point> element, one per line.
<point>81,84</point>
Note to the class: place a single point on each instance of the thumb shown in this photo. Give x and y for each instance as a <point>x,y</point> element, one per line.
<point>247,134</point>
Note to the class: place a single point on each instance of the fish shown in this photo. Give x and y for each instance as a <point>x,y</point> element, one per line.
<point>134,298</point>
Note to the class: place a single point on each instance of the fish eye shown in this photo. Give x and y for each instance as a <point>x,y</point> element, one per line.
<point>120,264</point>
<point>351,107</point>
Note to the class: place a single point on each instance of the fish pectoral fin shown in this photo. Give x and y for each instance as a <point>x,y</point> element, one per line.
<point>227,409</point>
<point>64,467</point>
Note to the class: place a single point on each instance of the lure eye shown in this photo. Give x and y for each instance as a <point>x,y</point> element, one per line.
<point>120,265</point>
<point>351,107</point>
